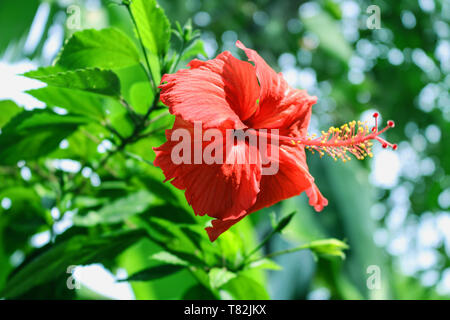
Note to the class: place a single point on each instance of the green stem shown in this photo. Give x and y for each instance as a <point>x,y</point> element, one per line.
<point>152,107</point>
<point>145,135</point>
<point>150,73</point>
<point>281,252</point>
<point>113,131</point>
<point>135,136</point>
<point>174,67</point>
<point>160,116</point>
<point>139,158</point>
<point>265,240</point>
<point>133,115</point>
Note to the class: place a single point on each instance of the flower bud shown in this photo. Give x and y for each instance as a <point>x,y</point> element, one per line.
<point>331,247</point>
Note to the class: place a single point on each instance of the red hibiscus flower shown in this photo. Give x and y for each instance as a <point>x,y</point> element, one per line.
<point>226,93</point>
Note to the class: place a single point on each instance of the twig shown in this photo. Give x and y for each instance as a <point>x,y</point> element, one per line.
<point>159,116</point>
<point>137,157</point>
<point>281,252</point>
<point>130,110</point>
<point>150,73</point>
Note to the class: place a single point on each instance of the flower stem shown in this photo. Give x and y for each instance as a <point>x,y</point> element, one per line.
<point>174,67</point>
<point>258,247</point>
<point>281,252</point>
<point>149,73</point>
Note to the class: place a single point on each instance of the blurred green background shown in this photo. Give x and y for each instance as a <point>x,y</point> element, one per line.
<point>393,210</point>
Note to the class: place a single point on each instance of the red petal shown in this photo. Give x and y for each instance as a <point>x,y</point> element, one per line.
<point>316,199</point>
<point>223,191</point>
<point>279,104</point>
<point>219,227</point>
<point>291,180</point>
<point>220,93</point>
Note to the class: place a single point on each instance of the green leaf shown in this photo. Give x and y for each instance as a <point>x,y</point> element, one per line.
<point>153,273</point>
<point>107,48</point>
<point>158,187</point>
<point>333,8</point>
<point>264,264</point>
<point>171,213</point>
<point>231,246</point>
<point>195,49</point>
<point>135,87</point>
<point>8,109</point>
<point>77,102</point>
<point>219,277</point>
<point>121,120</point>
<point>141,97</point>
<point>118,210</point>
<point>354,215</point>
<point>331,38</point>
<point>168,258</point>
<point>284,222</point>
<point>88,202</point>
<point>32,134</point>
<point>198,292</point>
<point>91,79</point>
<point>331,247</point>
<point>78,250</point>
<point>243,288</point>
<point>17,28</point>
<point>44,71</point>
<point>22,219</point>
<point>153,25</point>
<point>169,237</point>
<point>81,145</point>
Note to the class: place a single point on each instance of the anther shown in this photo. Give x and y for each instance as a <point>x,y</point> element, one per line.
<point>338,143</point>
